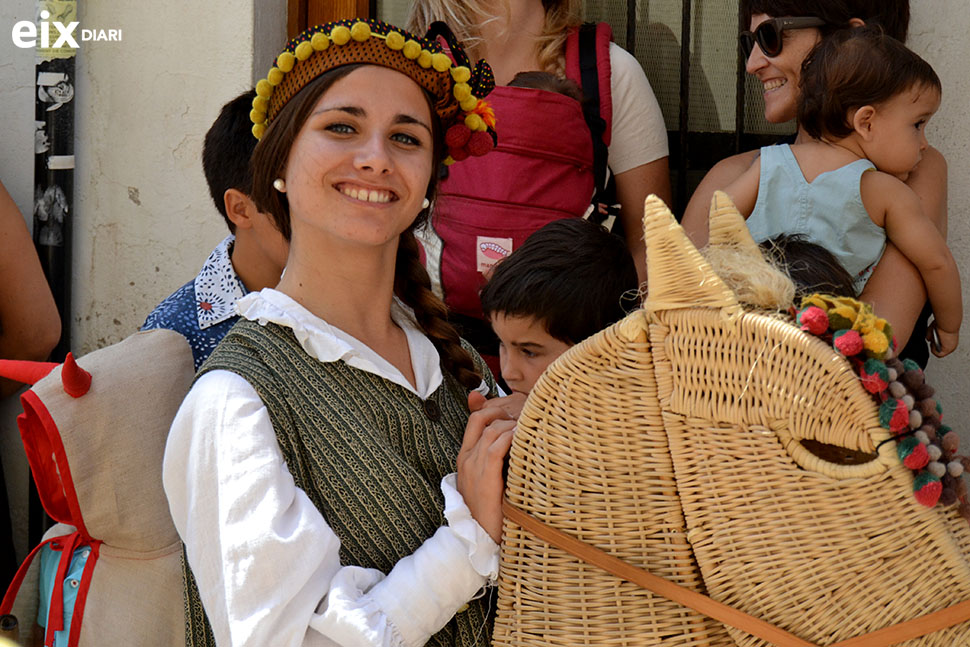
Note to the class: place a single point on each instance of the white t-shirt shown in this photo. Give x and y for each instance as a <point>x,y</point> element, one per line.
<point>266,561</point>
<point>639,134</point>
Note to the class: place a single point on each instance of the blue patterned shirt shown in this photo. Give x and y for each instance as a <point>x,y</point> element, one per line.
<point>204,309</point>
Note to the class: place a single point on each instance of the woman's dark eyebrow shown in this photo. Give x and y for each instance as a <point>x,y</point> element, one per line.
<point>360,112</point>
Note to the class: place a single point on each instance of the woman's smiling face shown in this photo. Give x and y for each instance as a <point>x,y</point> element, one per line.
<point>779,74</point>
<point>360,167</point>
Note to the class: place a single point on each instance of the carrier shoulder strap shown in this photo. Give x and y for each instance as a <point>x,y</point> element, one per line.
<point>588,63</point>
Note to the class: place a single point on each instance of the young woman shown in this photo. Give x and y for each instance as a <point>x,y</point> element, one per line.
<point>310,470</point>
<point>895,287</point>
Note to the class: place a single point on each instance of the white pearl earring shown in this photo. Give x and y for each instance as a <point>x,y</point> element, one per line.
<point>425,204</point>
<point>279,185</point>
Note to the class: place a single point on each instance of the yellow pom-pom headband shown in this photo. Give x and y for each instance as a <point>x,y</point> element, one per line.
<point>456,86</point>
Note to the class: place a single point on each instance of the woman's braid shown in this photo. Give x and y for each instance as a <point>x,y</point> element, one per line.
<point>413,286</point>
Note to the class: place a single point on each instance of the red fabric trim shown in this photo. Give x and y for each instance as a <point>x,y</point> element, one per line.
<point>8,599</point>
<point>55,608</point>
<point>82,594</point>
<point>25,371</point>
<point>48,463</point>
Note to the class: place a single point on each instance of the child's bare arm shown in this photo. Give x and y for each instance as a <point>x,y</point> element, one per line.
<point>744,190</point>
<point>921,242</point>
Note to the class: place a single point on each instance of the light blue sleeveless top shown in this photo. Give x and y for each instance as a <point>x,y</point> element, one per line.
<point>828,210</point>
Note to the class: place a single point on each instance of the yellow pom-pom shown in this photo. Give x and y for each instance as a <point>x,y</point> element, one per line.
<point>412,49</point>
<point>424,58</point>
<point>303,50</point>
<point>275,76</point>
<point>440,62</point>
<point>285,61</point>
<point>461,74</point>
<point>469,104</point>
<point>260,103</point>
<point>448,161</point>
<point>845,311</point>
<point>360,31</point>
<point>474,122</point>
<point>264,89</point>
<point>257,116</point>
<point>319,42</point>
<point>462,91</point>
<point>340,35</point>
<point>875,342</point>
<point>395,40</point>
<point>258,130</point>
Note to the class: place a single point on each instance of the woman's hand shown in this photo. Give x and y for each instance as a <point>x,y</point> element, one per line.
<point>511,404</point>
<point>488,436</point>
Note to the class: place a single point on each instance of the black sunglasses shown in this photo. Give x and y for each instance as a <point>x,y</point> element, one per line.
<point>768,34</point>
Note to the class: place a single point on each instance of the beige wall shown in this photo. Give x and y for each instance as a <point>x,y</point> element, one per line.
<point>144,222</point>
<point>938,32</point>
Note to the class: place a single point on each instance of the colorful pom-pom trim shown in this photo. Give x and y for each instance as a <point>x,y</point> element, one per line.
<point>906,403</point>
<point>467,85</point>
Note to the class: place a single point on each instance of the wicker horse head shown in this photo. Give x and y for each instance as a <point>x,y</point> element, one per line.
<point>676,440</point>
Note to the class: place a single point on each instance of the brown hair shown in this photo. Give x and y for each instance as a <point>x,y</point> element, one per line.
<point>891,15</point>
<point>548,82</point>
<point>411,282</point>
<point>855,68</point>
<point>572,275</point>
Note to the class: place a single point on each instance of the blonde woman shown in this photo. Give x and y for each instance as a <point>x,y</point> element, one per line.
<point>534,35</point>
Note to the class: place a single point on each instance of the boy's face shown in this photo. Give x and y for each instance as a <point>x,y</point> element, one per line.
<point>525,349</point>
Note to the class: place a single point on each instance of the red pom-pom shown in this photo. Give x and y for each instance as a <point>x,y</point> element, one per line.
<point>918,458</point>
<point>893,415</point>
<point>480,143</point>
<point>458,154</point>
<point>927,489</point>
<point>813,320</point>
<point>874,376</point>
<point>848,342</point>
<point>457,136</point>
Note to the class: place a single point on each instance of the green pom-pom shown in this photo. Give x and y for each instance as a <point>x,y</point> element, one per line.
<point>910,365</point>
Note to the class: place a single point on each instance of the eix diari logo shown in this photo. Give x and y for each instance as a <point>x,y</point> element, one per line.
<point>24,33</point>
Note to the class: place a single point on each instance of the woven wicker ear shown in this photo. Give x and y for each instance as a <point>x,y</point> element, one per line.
<point>727,226</point>
<point>675,440</point>
<point>678,276</point>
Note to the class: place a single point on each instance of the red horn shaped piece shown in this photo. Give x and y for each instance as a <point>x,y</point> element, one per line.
<point>76,380</point>
<point>25,371</point>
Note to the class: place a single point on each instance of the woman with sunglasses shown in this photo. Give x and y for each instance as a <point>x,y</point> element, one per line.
<point>780,36</point>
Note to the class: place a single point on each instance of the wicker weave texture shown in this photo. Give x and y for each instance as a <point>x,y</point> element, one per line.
<point>674,441</point>
<point>825,551</point>
<point>592,461</point>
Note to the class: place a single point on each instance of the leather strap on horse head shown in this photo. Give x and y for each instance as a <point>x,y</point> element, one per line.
<point>721,612</point>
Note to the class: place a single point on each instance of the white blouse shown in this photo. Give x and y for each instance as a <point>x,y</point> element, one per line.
<point>265,560</point>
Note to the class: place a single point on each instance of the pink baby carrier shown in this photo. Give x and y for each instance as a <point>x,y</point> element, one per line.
<point>545,167</point>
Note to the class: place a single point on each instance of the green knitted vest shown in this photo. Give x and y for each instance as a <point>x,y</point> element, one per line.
<point>368,453</point>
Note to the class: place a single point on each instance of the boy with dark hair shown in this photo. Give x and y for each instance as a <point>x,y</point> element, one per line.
<point>250,258</point>
<point>569,280</point>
